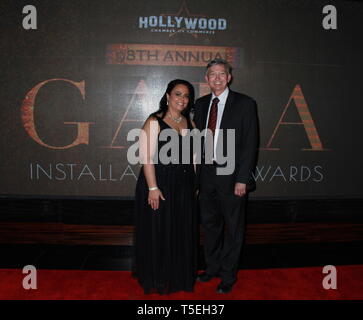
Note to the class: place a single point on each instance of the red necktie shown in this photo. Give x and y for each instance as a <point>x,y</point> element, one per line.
<point>212,121</point>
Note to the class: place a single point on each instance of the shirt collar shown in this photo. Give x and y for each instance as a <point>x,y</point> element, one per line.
<point>222,97</point>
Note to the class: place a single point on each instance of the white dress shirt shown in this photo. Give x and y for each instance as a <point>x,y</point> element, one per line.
<point>222,102</point>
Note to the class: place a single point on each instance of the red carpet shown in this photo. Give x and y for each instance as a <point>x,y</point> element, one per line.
<point>271,284</point>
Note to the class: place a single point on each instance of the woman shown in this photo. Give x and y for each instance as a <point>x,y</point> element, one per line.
<point>166,225</point>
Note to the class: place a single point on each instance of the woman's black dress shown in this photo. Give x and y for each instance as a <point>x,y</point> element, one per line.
<point>166,239</point>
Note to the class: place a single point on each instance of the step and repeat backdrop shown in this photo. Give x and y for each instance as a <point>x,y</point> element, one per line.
<point>78,76</point>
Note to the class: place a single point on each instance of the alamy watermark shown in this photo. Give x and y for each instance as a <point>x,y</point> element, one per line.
<point>30,281</point>
<point>330,280</point>
<point>144,151</point>
<point>30,20</point>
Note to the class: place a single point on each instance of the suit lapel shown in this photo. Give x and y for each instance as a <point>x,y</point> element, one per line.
<point>228,111</point>
<point>228,114</point>
<point>205,111</point>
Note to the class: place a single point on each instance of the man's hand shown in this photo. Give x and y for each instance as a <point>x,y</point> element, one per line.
<point>239,189</point>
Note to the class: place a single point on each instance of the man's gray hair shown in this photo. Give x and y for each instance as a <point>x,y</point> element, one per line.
<point>220,61</point>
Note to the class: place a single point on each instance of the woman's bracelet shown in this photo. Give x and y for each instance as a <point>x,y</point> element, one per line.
<point>153,188</point>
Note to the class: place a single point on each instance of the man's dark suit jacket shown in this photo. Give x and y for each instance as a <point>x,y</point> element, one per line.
<point>240,113</point>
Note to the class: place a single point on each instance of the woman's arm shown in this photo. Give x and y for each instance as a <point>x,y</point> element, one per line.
<point>194,152</point>
<point>148,146</point>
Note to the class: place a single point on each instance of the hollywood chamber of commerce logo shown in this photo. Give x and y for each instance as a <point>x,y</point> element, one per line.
<point>182,22</point>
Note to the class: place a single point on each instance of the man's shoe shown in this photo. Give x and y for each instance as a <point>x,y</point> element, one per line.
<point>224,288</point>
<point>204,277</point>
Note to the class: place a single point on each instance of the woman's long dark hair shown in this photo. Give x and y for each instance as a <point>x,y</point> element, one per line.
<point>163,105</point>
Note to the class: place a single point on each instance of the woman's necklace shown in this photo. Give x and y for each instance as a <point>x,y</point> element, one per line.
<point>177,120</point>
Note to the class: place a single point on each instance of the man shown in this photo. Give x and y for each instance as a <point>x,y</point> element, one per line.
<point>222,197</point>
